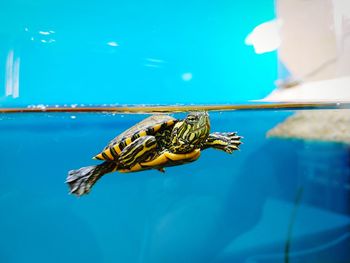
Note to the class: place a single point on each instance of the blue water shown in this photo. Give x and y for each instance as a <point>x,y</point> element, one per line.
<point>274,201</point>
<point>134,52</point>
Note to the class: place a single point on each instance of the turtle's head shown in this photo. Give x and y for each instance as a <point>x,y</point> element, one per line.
<point>191,133</point>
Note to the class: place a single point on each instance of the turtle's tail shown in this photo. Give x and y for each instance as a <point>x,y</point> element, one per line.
<point>80,181</point>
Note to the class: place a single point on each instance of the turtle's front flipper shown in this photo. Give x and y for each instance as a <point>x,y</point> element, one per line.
<point>225,141</point>
<point>80,181</point>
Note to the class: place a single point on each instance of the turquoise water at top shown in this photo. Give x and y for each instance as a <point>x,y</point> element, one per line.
<point>275,200</point>
<point>134,52</point>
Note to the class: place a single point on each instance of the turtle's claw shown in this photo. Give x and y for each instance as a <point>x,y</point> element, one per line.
<point>226,141</point>
<point>79,180</point>
<point>229,149</point>
<point>234,141</point>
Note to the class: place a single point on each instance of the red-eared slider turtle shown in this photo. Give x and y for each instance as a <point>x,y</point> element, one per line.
<point>154,143</point>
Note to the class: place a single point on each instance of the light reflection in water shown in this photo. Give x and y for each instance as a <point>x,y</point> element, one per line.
<point>12,75</point>
<point>112,44</point>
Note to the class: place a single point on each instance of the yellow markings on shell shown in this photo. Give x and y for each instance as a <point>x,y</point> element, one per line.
<point>157,127</point>
<point>142,133</point>
<point>117,149</point>
<point>109,154</point>
<point>128,141</point>
<point>161,159</point>
<point>136,167</point>
<point>169,123</point>
<point>183,156</point>
<point>98,157</point>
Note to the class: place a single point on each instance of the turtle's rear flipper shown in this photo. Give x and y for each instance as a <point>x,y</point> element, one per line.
<point>80,181</point>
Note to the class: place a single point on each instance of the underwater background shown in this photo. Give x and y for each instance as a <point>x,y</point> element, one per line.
<point>275,200</point>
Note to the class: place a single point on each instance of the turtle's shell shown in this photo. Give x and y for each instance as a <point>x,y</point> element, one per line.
<point>156,125</point>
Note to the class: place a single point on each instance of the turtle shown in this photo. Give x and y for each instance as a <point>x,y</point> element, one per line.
<point>157,142</point>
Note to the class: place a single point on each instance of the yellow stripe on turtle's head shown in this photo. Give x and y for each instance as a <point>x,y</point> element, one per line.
<point>190,133</point>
